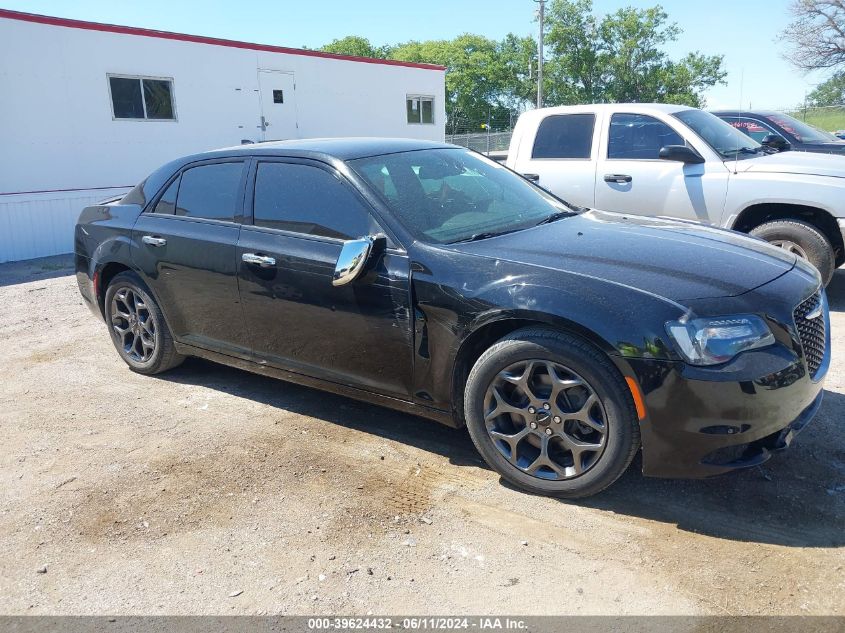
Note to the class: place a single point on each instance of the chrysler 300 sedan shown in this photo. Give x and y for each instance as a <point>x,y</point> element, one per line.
<point>427,278</point>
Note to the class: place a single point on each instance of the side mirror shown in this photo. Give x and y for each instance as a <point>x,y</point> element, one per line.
<point>351,261</point>
<point>680,153</point>
<point>775,142</point>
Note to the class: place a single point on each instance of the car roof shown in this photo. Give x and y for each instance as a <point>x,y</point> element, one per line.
<point>325,148</point>
<point>632,108</point>
<point>760,113</point>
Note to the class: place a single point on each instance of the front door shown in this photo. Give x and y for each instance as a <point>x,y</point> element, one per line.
<point>185,248</point>
<point>631,178</point>
<point>358,334</point>
<point>278,105</point>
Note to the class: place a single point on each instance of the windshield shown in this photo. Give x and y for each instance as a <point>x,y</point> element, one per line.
<point>803,132</point>
<point>721,136</point>
<point>452,195</point>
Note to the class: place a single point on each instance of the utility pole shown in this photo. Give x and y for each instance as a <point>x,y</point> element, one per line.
<point>541,12</point>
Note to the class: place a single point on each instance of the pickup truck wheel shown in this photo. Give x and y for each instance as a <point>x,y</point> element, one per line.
<point>802,239</point>
<point>551,414</point>
<point>137,327</point>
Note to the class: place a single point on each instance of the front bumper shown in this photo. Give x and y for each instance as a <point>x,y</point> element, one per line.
<point>698,428</point>
<point>703,421</point>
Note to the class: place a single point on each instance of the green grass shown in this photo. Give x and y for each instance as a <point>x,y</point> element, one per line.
<point>828,119</point>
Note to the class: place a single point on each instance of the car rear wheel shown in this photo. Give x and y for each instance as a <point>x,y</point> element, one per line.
<point>801,239</point>
<point>137,327</point>
<point>551,414</point>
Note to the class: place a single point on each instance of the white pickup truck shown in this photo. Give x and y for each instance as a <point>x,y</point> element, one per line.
<point>680,162</point>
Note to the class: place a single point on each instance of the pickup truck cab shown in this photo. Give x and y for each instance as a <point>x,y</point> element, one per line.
<point>681,162</point>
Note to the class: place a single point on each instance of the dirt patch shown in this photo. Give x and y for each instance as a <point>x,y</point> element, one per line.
<point>169,494</point>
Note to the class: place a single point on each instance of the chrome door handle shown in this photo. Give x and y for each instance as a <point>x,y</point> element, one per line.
<point>258,260</point>
<point>532,177</point>
<point>152,240</point>
<point>617,178</point>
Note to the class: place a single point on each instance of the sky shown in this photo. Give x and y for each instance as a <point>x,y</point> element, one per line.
<point>744,31</point>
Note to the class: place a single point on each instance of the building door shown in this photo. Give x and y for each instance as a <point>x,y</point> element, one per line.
<point>278,105</point>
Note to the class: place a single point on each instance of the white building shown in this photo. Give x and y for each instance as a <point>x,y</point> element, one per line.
<point>87,110</point>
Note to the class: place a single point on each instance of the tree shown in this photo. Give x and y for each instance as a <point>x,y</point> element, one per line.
<point>830,93</point>
<point>621,58</point>
<point>817,34</point>
<point>485,80</point>
<point>357,47</point>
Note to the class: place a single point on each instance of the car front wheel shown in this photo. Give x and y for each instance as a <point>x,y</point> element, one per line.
<point>801,239</point>
<point>137,327</point>
<point>551,414</point>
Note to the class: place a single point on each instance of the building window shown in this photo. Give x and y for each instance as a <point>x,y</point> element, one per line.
<point>420,109</point>
<point>142,98</point>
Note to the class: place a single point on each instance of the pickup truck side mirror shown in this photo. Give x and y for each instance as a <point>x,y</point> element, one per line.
<point>680,153</point>
<point>776,142</point>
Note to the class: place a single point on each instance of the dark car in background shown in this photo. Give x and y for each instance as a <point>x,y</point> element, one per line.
<point>428,278</point>
<point>782,132</point>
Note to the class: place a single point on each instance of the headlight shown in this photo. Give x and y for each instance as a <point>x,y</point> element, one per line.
<point>717,340</point>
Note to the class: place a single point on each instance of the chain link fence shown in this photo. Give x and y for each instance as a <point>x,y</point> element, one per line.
<point>482,142</point>
<point>829,118</point>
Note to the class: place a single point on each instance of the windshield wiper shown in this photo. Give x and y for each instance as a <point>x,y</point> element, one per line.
<point>554,217</point>
<point>743,150</point>
<point>481,236</point>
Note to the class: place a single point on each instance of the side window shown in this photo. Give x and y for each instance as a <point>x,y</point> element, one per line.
<point>755,129</point>
<point>565,136</point>
<point>167,203</point>
<point>210,191</point>
<point>639,137</point>
<point>309,200</point>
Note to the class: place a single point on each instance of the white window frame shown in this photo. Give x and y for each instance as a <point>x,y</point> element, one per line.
<point>420,98</point>
<point>143,98</point>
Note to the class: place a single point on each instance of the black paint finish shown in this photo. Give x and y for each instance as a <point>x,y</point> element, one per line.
<point>406,333</point>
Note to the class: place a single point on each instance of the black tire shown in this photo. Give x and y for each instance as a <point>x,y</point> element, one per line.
<point>812,243</point>
<point>147,328</point>
<point>621,437</point>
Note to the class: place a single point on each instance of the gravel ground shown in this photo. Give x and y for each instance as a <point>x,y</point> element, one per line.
<point>213,491</point>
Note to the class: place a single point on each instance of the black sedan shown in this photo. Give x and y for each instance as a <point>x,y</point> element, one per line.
<point>782,132</point>
<point>428,278</point>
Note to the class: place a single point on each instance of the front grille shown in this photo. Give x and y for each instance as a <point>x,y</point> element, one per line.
<point>811,332</point>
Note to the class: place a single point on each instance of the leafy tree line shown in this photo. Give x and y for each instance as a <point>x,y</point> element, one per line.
<point>618,57</point>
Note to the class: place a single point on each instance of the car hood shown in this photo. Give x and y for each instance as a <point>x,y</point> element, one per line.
<point>833,147</point>
<point>794,162</point>
<point>672,259</point>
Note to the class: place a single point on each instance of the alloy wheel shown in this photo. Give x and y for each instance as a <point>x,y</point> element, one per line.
<point>790,247</point>
<point>135,327</point>
<point>545,419</point>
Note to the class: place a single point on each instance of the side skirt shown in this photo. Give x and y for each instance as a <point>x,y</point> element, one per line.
<point>443,417</point>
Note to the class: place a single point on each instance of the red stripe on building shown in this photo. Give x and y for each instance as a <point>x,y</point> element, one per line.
<point>199,39</point>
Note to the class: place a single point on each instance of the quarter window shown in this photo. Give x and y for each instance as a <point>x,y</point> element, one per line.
<point>305,199</point>
<point>210,191</point>
<point>639,137</point>
<point>420,109</point>
<point>167,203</point>
<point>142,98</point>
<point>565,136</point>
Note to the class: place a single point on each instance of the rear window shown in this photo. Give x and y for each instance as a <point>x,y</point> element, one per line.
<point>565,136</point>
<point>210,191</point>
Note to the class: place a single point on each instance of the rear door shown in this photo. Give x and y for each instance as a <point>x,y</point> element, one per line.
<point>278,105</point>
<point>358,334</point>
<point>185,247</point>
<point>562,156</point>
<point>632,178</point>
